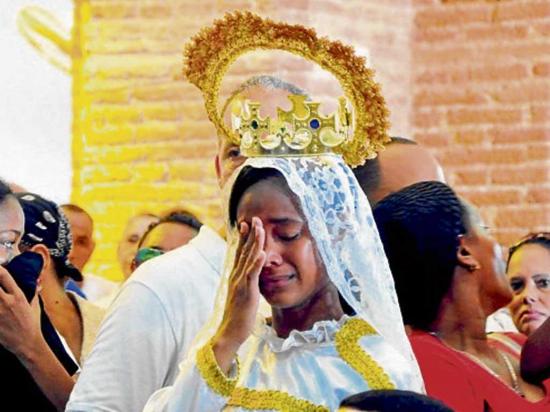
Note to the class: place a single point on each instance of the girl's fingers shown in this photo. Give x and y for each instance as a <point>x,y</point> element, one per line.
<point>244,229</point>
<point>242,259</point>
<point>256,268</point>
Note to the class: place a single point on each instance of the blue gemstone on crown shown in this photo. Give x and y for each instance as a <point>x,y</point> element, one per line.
<point>254,124</point>
<point>314,124</point>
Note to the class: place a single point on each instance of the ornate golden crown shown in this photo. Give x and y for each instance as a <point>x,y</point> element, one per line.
<point>215,48</point>
<point>300,131</point>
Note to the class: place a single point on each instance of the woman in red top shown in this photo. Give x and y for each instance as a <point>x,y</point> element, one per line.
<point>449,276</point>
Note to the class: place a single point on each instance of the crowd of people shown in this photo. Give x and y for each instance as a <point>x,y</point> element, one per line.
<point>364,288</point>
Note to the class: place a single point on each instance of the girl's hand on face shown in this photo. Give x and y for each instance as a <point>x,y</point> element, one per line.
<point>243,295</point>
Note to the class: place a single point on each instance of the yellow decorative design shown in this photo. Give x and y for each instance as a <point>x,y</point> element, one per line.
<point>272,400</point>
<point>347,345</point>
<point>212,374</point>
<point>47,35</point>
<point>215,48</point>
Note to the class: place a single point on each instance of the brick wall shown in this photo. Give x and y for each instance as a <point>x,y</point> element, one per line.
<point>481,101</point>
<point>467,79</point>
<point>141,138</point>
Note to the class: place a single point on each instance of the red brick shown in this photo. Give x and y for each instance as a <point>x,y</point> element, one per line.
<point>498,33</point>
<point>436,34</point>
<point>517,135</point>
<point>539,194</point>
<point>542,28</point>
<point>448,97</point>
<point>523,217</point>
<point>540,114</point>
<point>489,52</point>
<point>540,151</point>
<point>442,16</point>
<point>483,116</point>
<point>491,73</point>
<point>485,73</point>
<point>469,176</point>
<point>473,155</point>
<point>433,139</point>
<point>520,175</point>
<point>469,137</point>
<point>522,10</point>
<point>541,69</point>
<point>493,196</point>
<point>519,93</point>
<point>426,120</point>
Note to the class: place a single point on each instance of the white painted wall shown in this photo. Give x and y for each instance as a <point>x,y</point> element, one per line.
<point>35,109</point>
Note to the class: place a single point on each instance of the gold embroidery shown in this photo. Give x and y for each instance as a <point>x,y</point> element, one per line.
<point>212,374</point>
<point>272,400</point>
<point>347,345</point>
<point>210,53</point>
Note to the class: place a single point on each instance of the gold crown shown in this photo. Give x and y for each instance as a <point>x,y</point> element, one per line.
<point>209,54</point>
<point>300,131</point>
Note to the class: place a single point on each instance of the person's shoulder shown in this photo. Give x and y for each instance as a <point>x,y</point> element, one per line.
<point>429,349</point>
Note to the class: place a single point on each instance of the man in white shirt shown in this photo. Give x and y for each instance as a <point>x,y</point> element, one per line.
<point>150,325</point>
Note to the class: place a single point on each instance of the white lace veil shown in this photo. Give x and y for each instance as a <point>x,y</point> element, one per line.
<point>340,220</point>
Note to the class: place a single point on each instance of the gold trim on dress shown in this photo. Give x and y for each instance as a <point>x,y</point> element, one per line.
<point>347,345</point>
<point>272,400</point>
<point>212,374</point>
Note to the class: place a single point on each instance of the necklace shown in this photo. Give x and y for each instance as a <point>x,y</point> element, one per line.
<point>509,366</point>
<point>480,362</point>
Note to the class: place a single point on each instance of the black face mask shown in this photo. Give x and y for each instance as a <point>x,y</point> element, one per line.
<point>25,269</point>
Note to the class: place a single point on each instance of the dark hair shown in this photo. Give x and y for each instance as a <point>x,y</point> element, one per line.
<point>5,191</point>
<point>248,177</point>
<point>420,227</point>
<point>394,401</point>
<point>368,175</point>
<point>538,238</point>
<point>182,217</point>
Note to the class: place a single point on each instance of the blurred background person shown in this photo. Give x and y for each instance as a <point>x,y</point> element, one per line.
<point>402,163</point>
<point>175,228</point>
<point>133,231</point>
<point>92,287</point>
<point>528,271</point>
<point>47,233</point>
<point>82,231</point>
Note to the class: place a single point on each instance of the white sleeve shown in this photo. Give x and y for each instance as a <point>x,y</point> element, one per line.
<point>133,351</point>
<point>190,393</point>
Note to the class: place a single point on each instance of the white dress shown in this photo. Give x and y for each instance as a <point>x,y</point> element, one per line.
<point>311,370</point>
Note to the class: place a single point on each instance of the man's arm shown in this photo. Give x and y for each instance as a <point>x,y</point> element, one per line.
<point>535,356</point>
<point>133,352</point>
